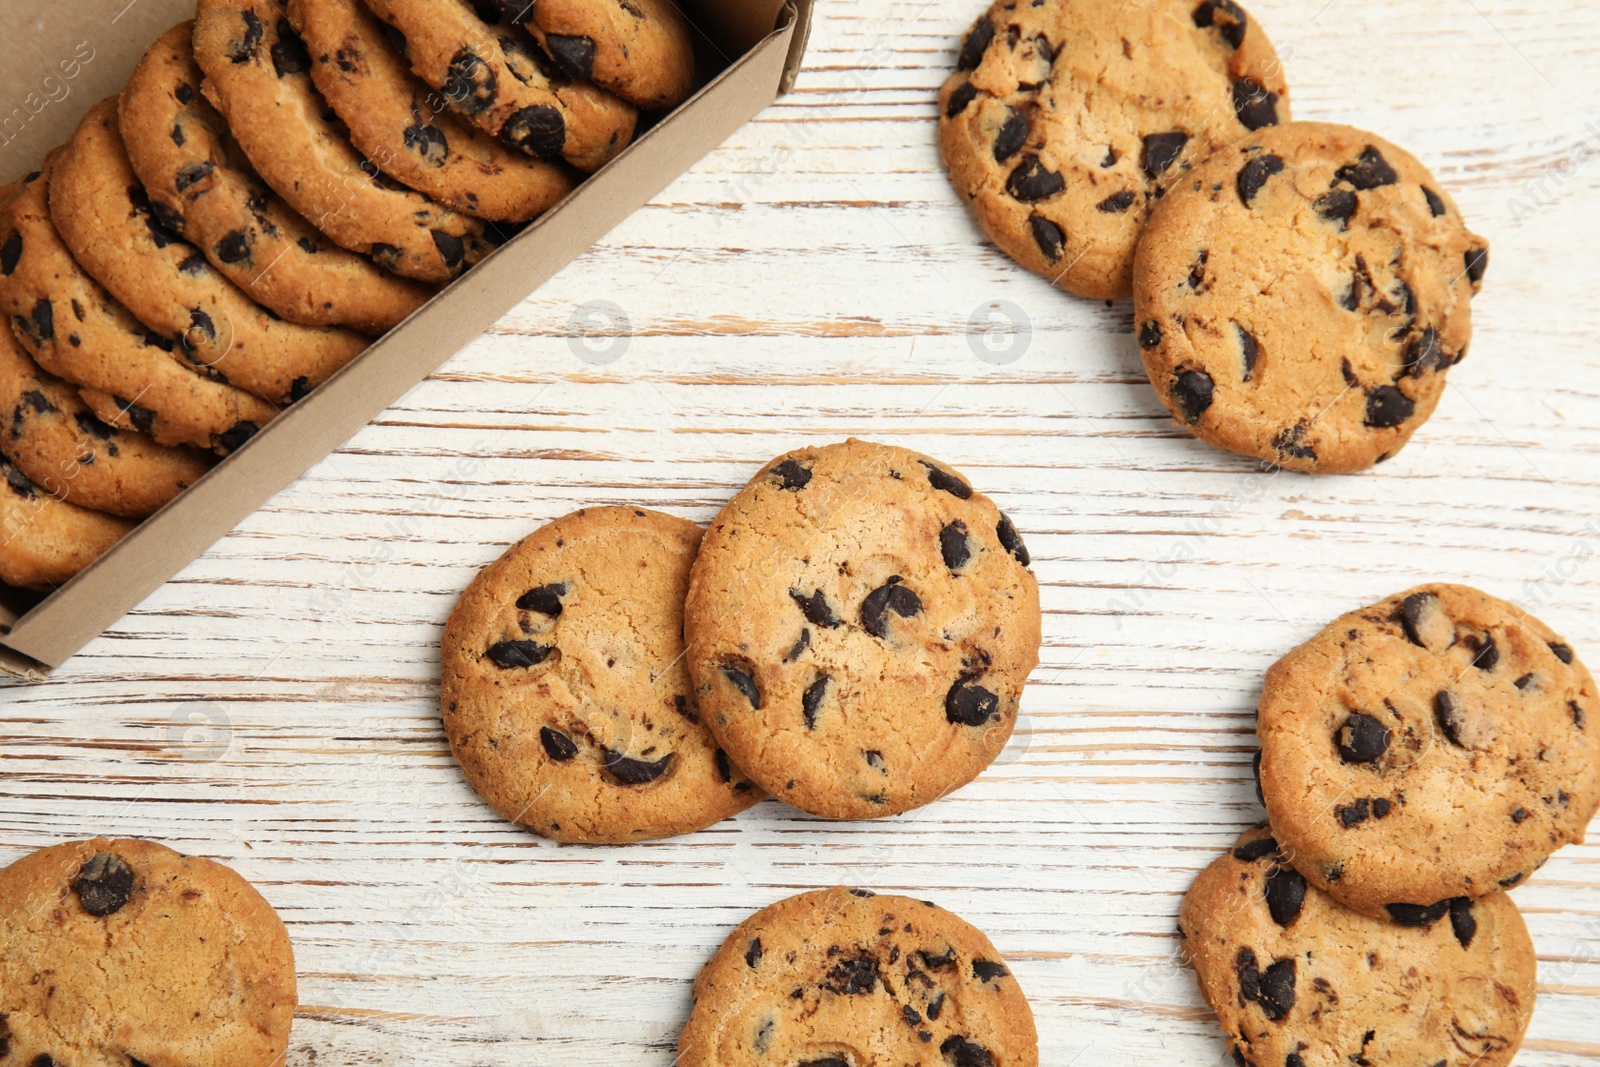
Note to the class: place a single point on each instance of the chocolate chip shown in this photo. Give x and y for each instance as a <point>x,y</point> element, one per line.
<point>193,264</point>
<point>451,249</point>
<point>42,322</point>
<point>1277,989</point>
<point>1520,816</point>
<point>1507,883</point>
<point>1577,713</point>
<point>724,765</point>
<point>631,771</point>
<point>1259,849</point>
<point>289,55</point>
<point>546,599</point>
<point>1254,175</point>
<point>811,701</point>
<point>559,746</point>
<point>17,481</point>
<point>1248,971</point>
<point>1424,353</point>
<point>831,1061</point>
<point>1197,273</point>
<point>1048,236</point>
<point>802,643</point>
<point>975,44</point>
<point>104,883</point>
<point>1352,815</point>
<point>792,475</point>
<point>1011,541</point>
<point>1387,406</point>
<point>234,247</point>
<point>1381,807</point>
<point>752,955</point>
<point>427,141</point>
<point>946,482</point>
<point>1337,205</point>
<point>970,704</point>
<point>1462,922</point>
<point>892,596</point>
<point>199,320</point>
<point>245,47</point>
<point>960,1052</point>
<point>1285,893</point>
<point>11,253</point>
<point>1562,652</point>
<point>1249,350</point>
<point>509,655</point>
<point>987,971</point>
<point>1362,739</point>
<point>538,130</point>
<point>574,55</point>
<point>1435,204</point>
<point>1418,914</point>
<point>964,95</point>
<point>1256,106</point>
<point>935,1006</point>
<point>1012,136</point>
<point>234,437</point>
<point>471,84</point>
<point>1477,261</point>
<point>1192,391</point>
<point>1255,769</point>
<point>1448,715</point>
<point>911,1015</point>
<point>816,609</point>
<point>953,545</point>
<point>853,977</point>
<point>1369,171</point>
<point>744,683</point>
<point>1033,181</point>
<point>1486,653</point>
<point>1150,334</point>
<point>1161,150</point>
<point>1117,203</point>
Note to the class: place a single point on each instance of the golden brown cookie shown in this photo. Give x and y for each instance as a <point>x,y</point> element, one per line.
<point>1066,121</point>
<point>642,50</point>
<point>860,625</point>
<point>1441,743</point>
<point>1300,296</point>
<point>45,541</point>
<point>565,695</point>
<point>125,952</point>
<point>845,978</point>
<point>1297,980</point>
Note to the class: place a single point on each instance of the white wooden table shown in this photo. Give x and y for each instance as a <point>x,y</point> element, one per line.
<point>274,706</point>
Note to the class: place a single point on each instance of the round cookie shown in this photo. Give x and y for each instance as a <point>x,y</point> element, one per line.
<point>1066,121</point>
<point>565,695</point>
<point>258,75</point>
<point>1300,296</point>
<point>59,444</point>
<point>1297,980</point>
<point>45,541</point>
<point>125,952</point>
<point>202,188</point>
<point>404,127</point>
<point>73,329</point>
<point>105,219</point>
<point>845,978</point>
<point>497,77</point>
<point>642,50</point>
<point>1439,744</point>
<point>860,626</point>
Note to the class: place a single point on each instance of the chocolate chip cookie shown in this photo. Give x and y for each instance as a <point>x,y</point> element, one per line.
<point>1438,744</point>
<point>565,695</point>
<point>1300,297</point>
<point>1066,121</point>
<point>108,223</point>
<point>75,330</point>
<point>860,624</point>
<point>258,75</point>
<point>201,187</point>
<point>404,127</point>
<point>44,541</point>
<point>642,50</point>
<point>844,978</point>
<point>59,444</point>
<point>499,79</point>
<point>1297,980</point>
<point>125,952</point>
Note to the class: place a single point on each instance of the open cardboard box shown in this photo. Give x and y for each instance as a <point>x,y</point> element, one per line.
<point>62,58</point>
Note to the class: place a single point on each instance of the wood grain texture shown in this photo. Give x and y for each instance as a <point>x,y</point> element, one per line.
<point>273,706</point>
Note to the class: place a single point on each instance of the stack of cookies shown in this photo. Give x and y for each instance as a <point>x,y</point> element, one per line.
<point>851,636</point>
<point>1419,757</point>
<point>276,185</point>
<point>1300,289</point>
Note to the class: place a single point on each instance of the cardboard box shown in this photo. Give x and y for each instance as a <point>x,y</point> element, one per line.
<point>66,57</point>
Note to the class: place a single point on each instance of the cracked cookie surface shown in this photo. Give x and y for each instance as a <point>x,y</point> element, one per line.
<point>1439,744</point>
<point>846,978</point>
<point>1066,121</point>
<point>1300,296</point>
<point>1297,980</point>
<point>860,625</point>
<point>565,695</point>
